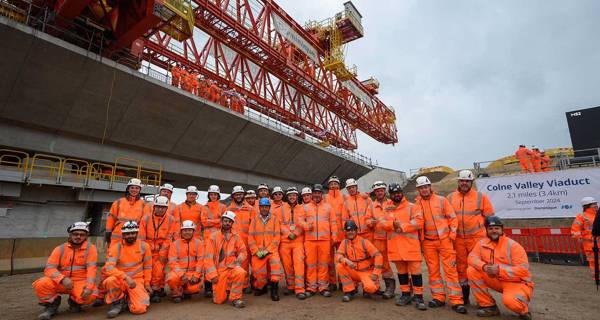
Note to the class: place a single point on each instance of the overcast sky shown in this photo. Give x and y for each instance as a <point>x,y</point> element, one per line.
<point>470,80</point>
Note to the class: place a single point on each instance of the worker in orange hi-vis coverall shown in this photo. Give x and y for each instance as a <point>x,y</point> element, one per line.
<point>471,208</point>
<point>129,270</point>
<point>524,156</point>
<point>166,190</point>
<point>250,198</point>
<point>128,208</point>
<point>263,192</point>
<point>223,255</point>
<point>211,222</point>
<point>380,239</point>
<point>158,229</point>
<point>500,263</point>
<point>243,214</point>
<point>191,210</point>
<point>306,195</point>
<point>291,249</point>
<point>321,230</point>
<point>545,162</point>
<point>536,159</point>
<point>358,208</point>
<point>438,245</point>
<point>264,238</point>
<point>277,204</point>
<point>335,199</point>
<point>581,229</point>
<point>175,76</point>
<point>70,269</point>
<point>186,259</point>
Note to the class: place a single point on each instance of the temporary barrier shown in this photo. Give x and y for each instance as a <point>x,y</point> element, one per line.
<point>549,245</point>
<point>526,239</point>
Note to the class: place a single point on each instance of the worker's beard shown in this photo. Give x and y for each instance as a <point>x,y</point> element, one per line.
<point>130,240</point>
<point>397,198</point>
<point>495,236</point>
<point>74,242</point>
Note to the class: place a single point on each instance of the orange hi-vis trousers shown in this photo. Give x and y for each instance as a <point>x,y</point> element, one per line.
<point>515,295</point>
<point>292,258</point>
<point>138,297</point>
<point>412,268</point>
<point>525,166</point>
<point>318,255</point>
<point>463,247</point>
<point>47,290</point>
<point>266,269</point>
<point>434,251</point>
<point>381,245</point>
<point>178,288</point>
<point>331,265</point>
<point>348,276</point>
<point>231,279</point>
<point>158,271</point>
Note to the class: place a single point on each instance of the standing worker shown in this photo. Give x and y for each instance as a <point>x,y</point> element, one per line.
<point>158,229</point>
<point>358,260</point>
<point>545,162</point>
<point>358,209</point>
<point>191,210</point>
<point>536,159</point>
<point>277,205</point>
<point>128,208</point>
<point>263,191</point>
<point>70,269</point>
<point>439,233</point>
<point>321,230</point>
<point>224,253</point>
<point>291,249</point>
<point>500,263</point>
<point>129,270</point>
<point>211,222</point>
<point>524,156</point>
<point>264,238</point>
<point>471,208</point>
<point>306,195</point>
<point>186,259</point>
<point>403,227</point>
<point>380,239</point>
<point>335,199</point>
<point>175,75</point>
<point>581,229</point>
<point>250,198</point>
<point>243,215</point>
<point>166,190</point>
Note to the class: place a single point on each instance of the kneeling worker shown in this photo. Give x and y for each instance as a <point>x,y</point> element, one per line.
<point>501,264</point>
<point>357,259</point>
<point>186,257</point>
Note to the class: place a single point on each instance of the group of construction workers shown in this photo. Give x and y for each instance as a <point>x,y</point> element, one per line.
<point>312,239</point>
<point>532,160</point>
<point>207,89</point>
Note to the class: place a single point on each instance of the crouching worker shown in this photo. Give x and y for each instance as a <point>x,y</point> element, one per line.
<point>71,269</point>
<point>129,270</point>
<point>358,260</point>
<point>500,264</point>
<point>224,253</point>
<point>186,257</point>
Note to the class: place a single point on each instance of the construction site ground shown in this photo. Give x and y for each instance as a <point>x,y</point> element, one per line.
<point>561,292</point>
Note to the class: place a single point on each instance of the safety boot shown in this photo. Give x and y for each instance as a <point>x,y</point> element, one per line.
<point>419,302</point>
<point>162,293</point>
<point>526,316</point>
<point>50,309</point>
<point>99,302</point>
<point>74,307</point>
<point>332,287</point>
<point>326,293</point>
<point>301,296</point>
<point>390,288</point>
<point>260,291</point>
<point>238,303</point>
<point>177,299</point>
<point>404,299</point>
<point>274,286</point>
<point>486,312</point>
<point>466,291</point>
<point>208,292</point>
<point>459,308</point>
<point>155,298</point>
<point>435,303</point>
<point>247,290</point>
<point>348,296</point>
<point>287,291</point>
<point>115,309</point>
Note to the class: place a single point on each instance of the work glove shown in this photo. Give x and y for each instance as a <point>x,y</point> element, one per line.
<point>67,283</point>
<point>148,288</point>
<point>130,283</point>
<point>107,236</point>
<point>292,236</point>
<point>260,255</point>
<point>86,293</point>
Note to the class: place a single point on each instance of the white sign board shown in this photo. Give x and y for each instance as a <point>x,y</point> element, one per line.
<point>358,92</point>
<point>292,36</point>
<point>555,194</point>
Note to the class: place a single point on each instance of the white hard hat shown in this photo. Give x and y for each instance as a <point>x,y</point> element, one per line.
<point>191,189</point>
<point>333,179</point>
<point>237,189</point>
<point>250,194</point>
<point>466,175</point>
<point>423,181</point>
<point>351,182</point>
<point>188,224</point>
<point>277,189</point>
<point>291,190</point>
<point>130,226</point>
<point>262,186</point>
<point>214,188</point>
<point>161,201</point>
<point>134,182</point>
<point>588,200</point>
<point>229,215</point>
<point>306,190</point>
<point>378,185</point>
<point>166,186</point>
<point>82,226</point>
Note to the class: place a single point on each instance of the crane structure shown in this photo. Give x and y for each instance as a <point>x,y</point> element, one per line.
<point>293,74</point>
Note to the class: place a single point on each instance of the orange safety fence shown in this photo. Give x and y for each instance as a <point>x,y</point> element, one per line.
<point>545,244</point>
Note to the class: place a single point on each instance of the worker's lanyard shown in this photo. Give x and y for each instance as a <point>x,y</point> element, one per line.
<point>162,220</point>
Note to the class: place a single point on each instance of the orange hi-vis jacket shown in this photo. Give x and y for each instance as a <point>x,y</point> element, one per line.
<point>322,217</point>
<point>336,200</point>
<point>545,162</point>
<point>193,212</point>
<point>222,252</point>
<point>187,257</point>
<point>403,245</point>
<point>360,210</point>
<point>523,153</point>
<point>471,210</point>
<point>440,219</point>
<point>292,221</point>
<point>133,260</point>
<point>507,254</point>
<point>243,215</point>
<point>362,253</point>
<point>158,233</point>
<point>121,211</point>
<point>212,219</point>
<point>582,228</point>
<point>381,216</point>
<point>265,235</point>
<point>77,264</point>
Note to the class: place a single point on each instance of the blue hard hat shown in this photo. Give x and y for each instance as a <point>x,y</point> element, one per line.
<point>264,202</point>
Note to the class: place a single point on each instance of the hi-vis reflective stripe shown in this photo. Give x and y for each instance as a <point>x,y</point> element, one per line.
<point>71,268</point>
